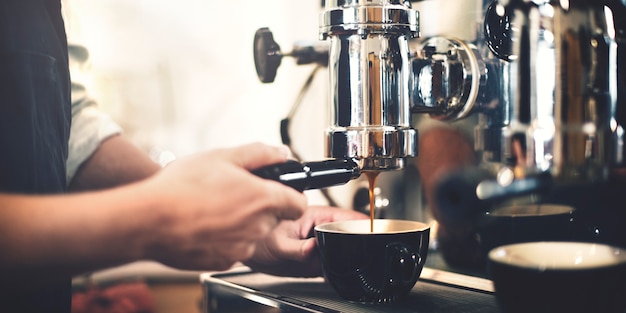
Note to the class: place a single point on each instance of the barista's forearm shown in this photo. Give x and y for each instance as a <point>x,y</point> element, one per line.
<point>116,162</point>
<point>73,234</point>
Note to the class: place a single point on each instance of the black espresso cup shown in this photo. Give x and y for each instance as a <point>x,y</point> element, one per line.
<point>548,277</point>
<point>525,223</point>
<point>376,266</point>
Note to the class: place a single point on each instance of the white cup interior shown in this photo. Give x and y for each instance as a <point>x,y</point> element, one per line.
<point>381,226</point>
<point>558,255</point>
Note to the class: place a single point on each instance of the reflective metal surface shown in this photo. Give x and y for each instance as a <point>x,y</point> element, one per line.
<point>446,78</point>
<point>562,113</point>
<point>543,79</point>
<point>369,81</point>
<point>549,108</point>
<point>240,290</point>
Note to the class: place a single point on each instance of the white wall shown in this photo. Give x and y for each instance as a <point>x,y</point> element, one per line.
<point>179,75</point>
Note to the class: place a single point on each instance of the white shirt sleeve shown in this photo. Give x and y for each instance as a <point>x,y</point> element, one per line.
<point>90,127</point>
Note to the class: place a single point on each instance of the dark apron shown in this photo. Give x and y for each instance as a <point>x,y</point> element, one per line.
<point>35,115</point>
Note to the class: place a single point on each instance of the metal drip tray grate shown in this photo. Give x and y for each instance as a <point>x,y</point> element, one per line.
<point>436,291</point>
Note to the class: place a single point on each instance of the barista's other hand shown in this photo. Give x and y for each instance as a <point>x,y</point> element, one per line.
<point>290,250</point>
<point>211,211</point>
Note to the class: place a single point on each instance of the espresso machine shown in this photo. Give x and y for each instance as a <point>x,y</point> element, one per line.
<point>536,87</point>
<point>537,84</point>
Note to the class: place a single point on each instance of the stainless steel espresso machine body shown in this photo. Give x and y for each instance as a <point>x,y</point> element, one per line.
<point>369,71</point>
<point>541,82</point>
<point>557,102</point>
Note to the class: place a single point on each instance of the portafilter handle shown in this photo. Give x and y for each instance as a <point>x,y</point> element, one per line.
<point>311,175</point>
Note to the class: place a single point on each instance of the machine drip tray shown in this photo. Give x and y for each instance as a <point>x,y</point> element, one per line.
<point>241,290</point>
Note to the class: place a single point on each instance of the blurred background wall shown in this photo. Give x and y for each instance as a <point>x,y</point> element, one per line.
<point>179,76</point>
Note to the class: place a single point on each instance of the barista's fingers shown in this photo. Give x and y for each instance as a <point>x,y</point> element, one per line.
<point>241,250</point>
<point>317,215</point>
<point>285,202</point>
<point>308,247</point>
<point>229,253</point>
<point>305,249</point>
<point>255,155</point>
<point>295,249</point>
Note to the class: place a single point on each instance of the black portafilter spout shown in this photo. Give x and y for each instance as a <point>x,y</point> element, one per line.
<point>466,195</point>
<point>311,175</point>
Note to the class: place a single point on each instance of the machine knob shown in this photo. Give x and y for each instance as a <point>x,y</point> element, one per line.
<point>267,55</point>
<point>497,28</point>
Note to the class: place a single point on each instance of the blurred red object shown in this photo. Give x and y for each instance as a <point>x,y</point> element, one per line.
<point>134,297</point>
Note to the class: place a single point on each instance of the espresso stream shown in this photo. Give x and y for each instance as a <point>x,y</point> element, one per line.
<point>371,179</point>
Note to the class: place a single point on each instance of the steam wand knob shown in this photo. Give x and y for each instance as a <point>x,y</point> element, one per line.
<point>268,56</point>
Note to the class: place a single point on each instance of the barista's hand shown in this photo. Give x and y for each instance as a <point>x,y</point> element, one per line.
<point>212,210</point>
<point>290,250</point>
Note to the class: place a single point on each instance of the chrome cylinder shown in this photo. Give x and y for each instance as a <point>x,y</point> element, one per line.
<point>563,92</point>
<point>370,118</point>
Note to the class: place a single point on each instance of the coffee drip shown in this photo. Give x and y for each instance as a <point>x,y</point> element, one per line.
<point>371,180</point>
